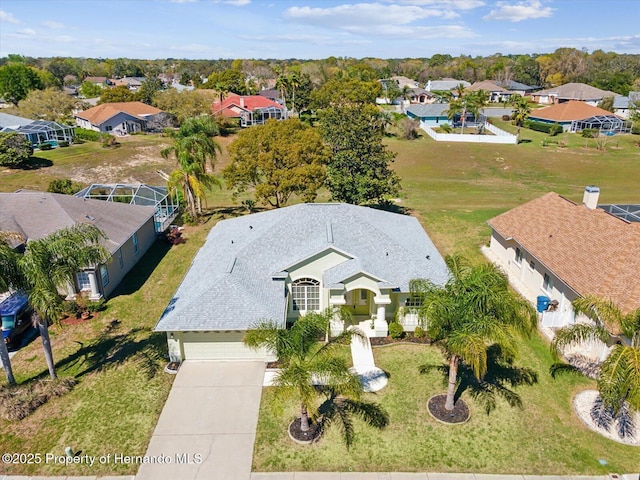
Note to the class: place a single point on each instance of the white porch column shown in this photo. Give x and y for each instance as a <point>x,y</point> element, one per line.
<point>382,312</point>
<point>95,293</point>
<point>336,325</point>
<point>380,325</point>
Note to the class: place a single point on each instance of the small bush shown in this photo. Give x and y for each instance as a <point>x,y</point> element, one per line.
<point>108,141</point>
<point>45,146</point>
<point>506,118</point>
<point>84,134</point>
<point>63,143</point>
<point>395,330</point>
<point>64,185</point>
<point>419,332</point>
<point>635,129</point>
<point>552,129</point>
<point>589,133</point>
<point>19,401</point>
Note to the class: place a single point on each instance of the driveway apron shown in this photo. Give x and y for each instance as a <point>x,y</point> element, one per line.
<point>208,425</point>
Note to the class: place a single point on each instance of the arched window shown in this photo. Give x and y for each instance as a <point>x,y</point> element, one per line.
<point>306,294</point>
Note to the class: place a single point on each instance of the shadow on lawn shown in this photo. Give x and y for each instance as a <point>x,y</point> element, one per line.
<point>137,276</point>
<point>500,378</point>
<point>33,163</point>
<point>113,348</point>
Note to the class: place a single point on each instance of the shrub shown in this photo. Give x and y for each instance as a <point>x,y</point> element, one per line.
<point>63,143</point>
<point>395,330</point>
<point>64,185</point>
<point>419,332</point>
<point>84,134</point>
<point>506,118</point>
<point>45,146</point>
<point>635,129</point>
<point>14,148</point>
<point>551,128</point>
<point>589,133</point>
<point>108,140</point>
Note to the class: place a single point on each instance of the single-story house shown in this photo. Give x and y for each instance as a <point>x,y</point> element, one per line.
<point>121,118</point>
<point>99,81</point>
<point>249,109</point>
<point>555,248</point>
<point>272,94</point>
<point>283,263</point>
<point>444,85</point>
<point>496,92</point>
<point>129,230</point>
<point>37,131</point>
<point>571,91</point>
<point>623,105</point>
<point>575,116</point>
<point>433,114</point>
<point>132,83</point>
<point>519,88</point>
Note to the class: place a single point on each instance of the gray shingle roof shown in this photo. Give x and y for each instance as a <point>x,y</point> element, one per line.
<point>429,110</point>
<point>234,279</point>
<point>37,214</point>
<point>13,121</point>
<point>445,84</point>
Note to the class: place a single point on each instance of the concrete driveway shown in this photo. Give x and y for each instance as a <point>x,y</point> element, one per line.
<point>208,425</point>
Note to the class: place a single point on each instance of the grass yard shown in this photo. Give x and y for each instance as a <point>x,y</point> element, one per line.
<point>544,437</point>
<point>453,189</point>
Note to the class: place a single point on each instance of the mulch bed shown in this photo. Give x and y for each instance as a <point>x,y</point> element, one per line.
<point>407,338</point>
<point>309,436</point>
<point>459,414</point>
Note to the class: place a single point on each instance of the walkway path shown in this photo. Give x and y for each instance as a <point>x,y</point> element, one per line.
<point>208,425</point>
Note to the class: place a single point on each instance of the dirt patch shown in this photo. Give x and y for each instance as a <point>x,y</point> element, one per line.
<point>459,414</point>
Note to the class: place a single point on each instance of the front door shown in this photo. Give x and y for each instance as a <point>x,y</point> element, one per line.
<point>358,302</point>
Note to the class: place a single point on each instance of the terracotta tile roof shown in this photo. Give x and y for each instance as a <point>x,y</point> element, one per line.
<point>567,111</point>
<point>231,105</point>
<point>575,91</point>
<point>592,251</point>
<point>100,113</point>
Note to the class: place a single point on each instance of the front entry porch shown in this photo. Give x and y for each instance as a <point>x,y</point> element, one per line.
<point>367,309</point>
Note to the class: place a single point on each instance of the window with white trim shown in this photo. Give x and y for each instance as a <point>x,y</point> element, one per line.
<point>519,256</point>
<point>83,281</point>
<point>136,247</point>
<point>305,293</point>
<point>547,283</point>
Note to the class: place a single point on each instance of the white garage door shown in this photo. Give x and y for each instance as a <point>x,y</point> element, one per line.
<point>218,346</point>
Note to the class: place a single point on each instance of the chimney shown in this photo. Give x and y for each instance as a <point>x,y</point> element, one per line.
<point>241,102</point>
<point>590,198</point>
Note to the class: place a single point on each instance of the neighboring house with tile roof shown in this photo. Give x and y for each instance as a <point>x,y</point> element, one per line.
<point>556,248</point>
<point>120,118</point>
<point>571,91</point>
<point>132,83</point>
<point>574,115</point>
<point>496,92</point>
<point>282,263</point>
<point>249,109</point>
<point>129,231</point>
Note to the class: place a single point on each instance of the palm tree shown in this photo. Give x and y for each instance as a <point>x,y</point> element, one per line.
<point>473,311</point>
<point>49,264</point>
<point>308,361</point>
<point>521,109</point>
<point>619,378</point>
<point>193,147</point>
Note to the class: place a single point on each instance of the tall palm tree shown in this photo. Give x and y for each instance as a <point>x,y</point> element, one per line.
<point>619,378</point>
<point>521,109</point>
<point>308,361</point>
<point>473,311</point>
<point>49,264</point>
<point>194,147</point>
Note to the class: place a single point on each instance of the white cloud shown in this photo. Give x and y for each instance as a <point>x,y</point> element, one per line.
<point>364,14</point>
<point>65,39</point>
<point>520,11</point>
<point>27,31</point>
<point>183,1</point>
<point>52,24</point>
<point>236,3</point>
<point>7,17</point>
<point>448,4</point>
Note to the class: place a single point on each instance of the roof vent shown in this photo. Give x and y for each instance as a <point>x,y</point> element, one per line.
<point>230,266</point>
<point>329,233</point>
<point>590,198</point>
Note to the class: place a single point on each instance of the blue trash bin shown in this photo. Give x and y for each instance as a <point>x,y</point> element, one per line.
<point>543,303</point>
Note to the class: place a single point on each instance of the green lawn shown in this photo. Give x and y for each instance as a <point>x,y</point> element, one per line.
<point>544,437</point>
<point>453,189</point>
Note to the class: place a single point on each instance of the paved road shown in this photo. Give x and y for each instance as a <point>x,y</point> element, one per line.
<point>208,425</point>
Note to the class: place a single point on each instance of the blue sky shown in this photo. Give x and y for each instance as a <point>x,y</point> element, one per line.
<point>313,28</point>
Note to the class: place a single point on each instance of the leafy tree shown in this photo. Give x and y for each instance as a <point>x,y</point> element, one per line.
<point>521,109</point>
<point>49,104</point>
<point>359,168</point>
<point>65,186</point>
<point>619,379</point>
<point>306,359</point>
<point>60,67</point>
<point>14,148</point>
<point>16,81</point>
<point>465,103</point>
<point>149,88</point>
<point>339,91</point>
<point>90,90</point>
<point>184,104</point>
<point>117,94</point>
<point>193,146</point>
<point>473,311</point>
<point>277,160</point>
<point>48,264</point>
<point>228,81</point>
<point>606,103</point>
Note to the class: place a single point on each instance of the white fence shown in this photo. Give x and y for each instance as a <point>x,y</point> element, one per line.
<point>499,136</point>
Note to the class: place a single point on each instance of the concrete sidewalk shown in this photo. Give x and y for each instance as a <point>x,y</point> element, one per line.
<point>208,425</point>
